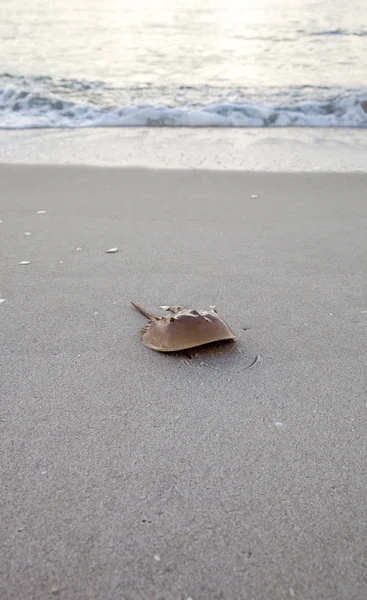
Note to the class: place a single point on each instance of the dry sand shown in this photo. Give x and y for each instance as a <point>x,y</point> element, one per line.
<point>131,475</point>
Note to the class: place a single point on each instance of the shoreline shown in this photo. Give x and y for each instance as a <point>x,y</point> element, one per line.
<point>272,150</point>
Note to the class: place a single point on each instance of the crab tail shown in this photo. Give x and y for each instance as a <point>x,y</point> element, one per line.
<point>144,312</point>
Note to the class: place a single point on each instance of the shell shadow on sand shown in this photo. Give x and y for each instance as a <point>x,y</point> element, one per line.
<point>224,356</point>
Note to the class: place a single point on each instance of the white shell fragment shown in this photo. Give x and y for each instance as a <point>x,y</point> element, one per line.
<point>173,309</point>
<point>25,262</point>
<point>41,212</point>
<point>112,250</point>
<point>27,233</point>
<point>2,300</point>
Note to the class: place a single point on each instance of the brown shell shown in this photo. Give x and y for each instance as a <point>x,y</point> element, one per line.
<point>186,328</point>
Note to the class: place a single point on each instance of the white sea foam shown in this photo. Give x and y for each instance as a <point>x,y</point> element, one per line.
<point>311,114</point>
<point>44,103</point>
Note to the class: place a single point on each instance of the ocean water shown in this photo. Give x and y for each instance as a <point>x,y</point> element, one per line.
<point>229,63</point>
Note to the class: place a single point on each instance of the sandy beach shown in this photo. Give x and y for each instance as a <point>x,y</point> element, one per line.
<point>131,475</point>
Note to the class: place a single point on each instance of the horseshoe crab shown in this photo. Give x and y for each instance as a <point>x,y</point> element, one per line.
<point>183,329</point>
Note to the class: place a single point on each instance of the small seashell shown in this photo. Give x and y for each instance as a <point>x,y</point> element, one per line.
<point>55,590</point>
<point>2,300</point>
<point>112,250</point>
<point>254,196</point>
<point>78,249</point>
<point>41,212</point>
<point>25,262</point>
<point>27,233</point>
<point>188,328</point>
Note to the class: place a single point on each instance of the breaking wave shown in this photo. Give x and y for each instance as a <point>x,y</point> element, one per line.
<point>43,103</point>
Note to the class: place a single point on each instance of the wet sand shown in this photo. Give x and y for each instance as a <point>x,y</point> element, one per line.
<point>234,149</point>
<point>131,475</point>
